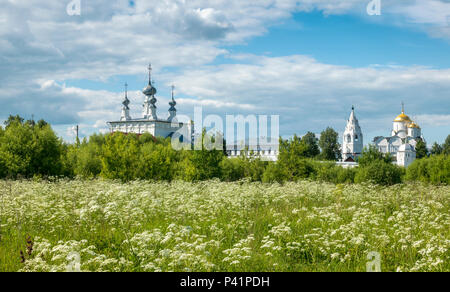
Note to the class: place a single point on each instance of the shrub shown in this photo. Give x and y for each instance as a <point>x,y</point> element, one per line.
<point>28,149</point>
<point>120,157</point>
<point>232,169</point>
<point>379,172</point>
<point>434,169</point>
<point>156,162</point>
<point>330,172</point>
<point>274,173</point>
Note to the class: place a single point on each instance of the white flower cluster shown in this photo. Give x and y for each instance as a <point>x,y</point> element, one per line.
<point>219,226</point>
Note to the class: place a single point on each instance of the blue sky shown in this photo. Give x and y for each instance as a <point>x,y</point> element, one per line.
<point>307,61</point>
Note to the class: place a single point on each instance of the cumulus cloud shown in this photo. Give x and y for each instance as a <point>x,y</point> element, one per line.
<point>302,89</point>
<point>41,47</point>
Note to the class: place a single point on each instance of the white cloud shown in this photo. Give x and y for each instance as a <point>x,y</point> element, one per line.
<point>41,47</point>
<point>434,120</point>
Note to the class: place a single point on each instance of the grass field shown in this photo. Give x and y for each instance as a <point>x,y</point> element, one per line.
<point>218,226</point>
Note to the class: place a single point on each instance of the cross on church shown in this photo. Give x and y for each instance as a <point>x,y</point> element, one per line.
<point>150,72</point>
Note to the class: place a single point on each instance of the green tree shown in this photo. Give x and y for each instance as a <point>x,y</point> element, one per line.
<point>446,146</point>
<point>232,169</point>
<point>46,158</point>
<point>312,146</point>
<point>436,149</point>
<point>120,155</point>
<point>434,169</point>
<point>330,172</point>
<point>16,149</point>
<point>156,162</point>
<point>13,119</point>
<point>275,173</point>
<point>3,170</point>
<point>291,159</point>
<point>379,172</point>
<point>41,123</point>
<point>371,154</point>
<point>329,144</point>
<point>204,161</point>
<point>27,150</point>
<point>88,159</point>
<point>421,149</point>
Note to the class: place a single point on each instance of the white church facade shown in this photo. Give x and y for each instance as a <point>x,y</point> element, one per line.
<point>150,122</point>
<point>402,142</point>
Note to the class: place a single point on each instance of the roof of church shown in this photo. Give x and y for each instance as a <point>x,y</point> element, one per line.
<point>402,117</point>
<point>413,125</point>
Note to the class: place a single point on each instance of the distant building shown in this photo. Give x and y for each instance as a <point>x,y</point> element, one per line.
<point>150,123</point>
<point>352,145</point>
<point>264,151</point>
<point>403,140</point>
<point>406,154</point>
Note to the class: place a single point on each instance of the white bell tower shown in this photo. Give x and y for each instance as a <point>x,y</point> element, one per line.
<point>125,116</point>
<point>352,145</point>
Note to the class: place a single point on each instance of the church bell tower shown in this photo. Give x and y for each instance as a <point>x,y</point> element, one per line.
<point>352,145</point>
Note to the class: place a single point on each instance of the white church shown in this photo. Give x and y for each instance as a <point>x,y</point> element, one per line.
<point>150,122</point>
<point>400,144</point>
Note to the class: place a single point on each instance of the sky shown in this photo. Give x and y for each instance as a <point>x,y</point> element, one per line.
<point>307,61</point>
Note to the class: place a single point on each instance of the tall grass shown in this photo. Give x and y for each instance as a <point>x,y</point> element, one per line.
<point>222,226</point>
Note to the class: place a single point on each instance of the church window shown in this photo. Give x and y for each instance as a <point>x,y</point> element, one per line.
<point>349,138</point>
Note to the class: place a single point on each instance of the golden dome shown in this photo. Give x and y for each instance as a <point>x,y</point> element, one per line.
<point>402,118</point>
<point>413,125</point>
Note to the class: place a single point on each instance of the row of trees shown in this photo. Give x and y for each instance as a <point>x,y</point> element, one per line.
<point>29,148</point>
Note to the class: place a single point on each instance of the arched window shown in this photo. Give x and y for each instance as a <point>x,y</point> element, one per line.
<point>356,137</point>
<point>349,138</point>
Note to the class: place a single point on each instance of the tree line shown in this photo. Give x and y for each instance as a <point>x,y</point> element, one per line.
<point>32,149</point>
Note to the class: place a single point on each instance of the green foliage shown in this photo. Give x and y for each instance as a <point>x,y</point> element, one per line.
<point>274,173</point>
<point>446,146</point>
<point>311,143</point>
<point>119,157</point>
<point>330,172</point>
<point>329,144</point>
<point>203,163</point>
<point>436,149</point>
<point>254,168</point>
<point>13,120</point>
<point>380,172</point>
<point>371,154</point>
<point>28,150</point>
<point>88,161</point>
<point>218,226</point>
<point>156,162</point>
<point>421,149</point>
<point>291,159</point>
<point>434,169</point>
<point>232,169</point>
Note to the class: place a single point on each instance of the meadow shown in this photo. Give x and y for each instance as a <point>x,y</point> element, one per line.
<point>221,226</point>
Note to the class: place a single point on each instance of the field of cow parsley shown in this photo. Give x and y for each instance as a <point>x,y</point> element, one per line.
<point>217,226</point>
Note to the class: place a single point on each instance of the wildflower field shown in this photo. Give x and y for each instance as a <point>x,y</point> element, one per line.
<point>220,226</point>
